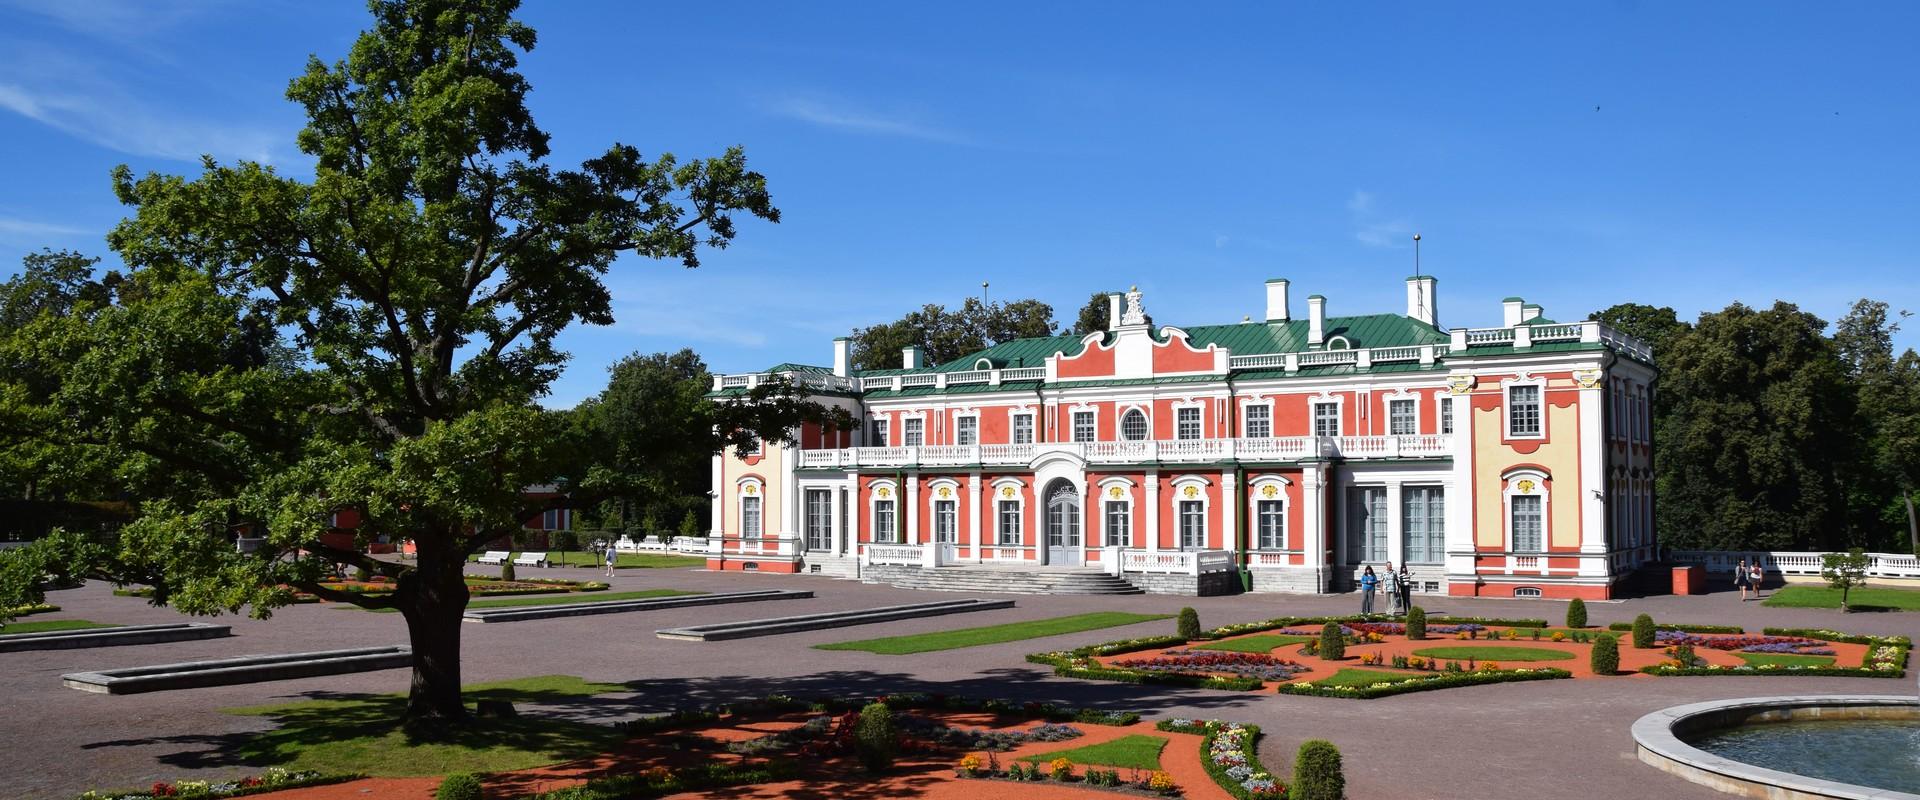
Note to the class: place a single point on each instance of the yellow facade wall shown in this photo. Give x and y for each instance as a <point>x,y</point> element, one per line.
<point>1560,457</point>
<point>770,469</point>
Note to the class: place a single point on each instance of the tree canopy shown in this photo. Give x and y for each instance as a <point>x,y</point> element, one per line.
<point>374,338</point>
<point>1094,316</point>
<point>944,335</point>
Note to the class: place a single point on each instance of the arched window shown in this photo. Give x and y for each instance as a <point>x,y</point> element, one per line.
<point>1133,425</point>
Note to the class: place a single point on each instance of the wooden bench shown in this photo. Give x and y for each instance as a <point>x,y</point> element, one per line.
<point>495,557</point>
<point>530,560</point>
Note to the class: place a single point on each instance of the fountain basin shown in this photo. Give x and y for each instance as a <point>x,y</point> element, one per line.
<point>1682,740</point>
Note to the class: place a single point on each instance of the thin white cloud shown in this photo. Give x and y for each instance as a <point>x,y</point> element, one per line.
<point>14,227</point>
<point>1360,202</point>
<point>844,116</point>
<point>1374,230</point>
<point>110,118</point>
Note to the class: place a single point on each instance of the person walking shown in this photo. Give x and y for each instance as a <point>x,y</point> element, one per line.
<point>1741,579</point>
<point>1390,583</point>
<point>1406,589</point>
<point>1368,582</point>
<point>1756,575</point>
<point>613,557</point>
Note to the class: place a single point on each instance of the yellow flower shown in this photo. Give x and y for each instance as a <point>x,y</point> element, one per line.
<point>1160,782</point>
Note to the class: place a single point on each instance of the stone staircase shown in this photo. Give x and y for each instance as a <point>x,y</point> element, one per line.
<point>1002,580</point>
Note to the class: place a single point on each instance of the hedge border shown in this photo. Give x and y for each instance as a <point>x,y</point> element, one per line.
<point>1681,627</point>
<point>687,779</point>
<point>1443,680</point>
<point>1208,733</point>
<point>776,703</point>
<point>1744,671</point>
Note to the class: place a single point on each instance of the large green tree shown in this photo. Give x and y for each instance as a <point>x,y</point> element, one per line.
<point>373,338</point>
<point>1888,391</point>
<point>944,335</point>
<point>50,284</point>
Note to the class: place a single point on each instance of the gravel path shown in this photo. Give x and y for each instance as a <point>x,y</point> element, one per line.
<point>1518,741</point>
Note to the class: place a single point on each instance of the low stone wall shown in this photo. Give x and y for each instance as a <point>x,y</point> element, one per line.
<point>1205,585</point>
<point>1297,580</point>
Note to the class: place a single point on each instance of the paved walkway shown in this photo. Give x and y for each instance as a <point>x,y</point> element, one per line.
<point>1528,740</point>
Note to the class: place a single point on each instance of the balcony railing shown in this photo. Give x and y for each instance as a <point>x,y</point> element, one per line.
<point>1176,562</point>
<point>1879,565</point>
<point>1280,448</point>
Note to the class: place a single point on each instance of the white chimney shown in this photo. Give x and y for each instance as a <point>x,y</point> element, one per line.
<point>910,357</point>
<point>1316,320</point>
<point>1113,311</point>
<point>1420,299</point>
<point>1529,312</point>
<point>1277,300</point>
<point>840,347</point>
<point>1510,311</point>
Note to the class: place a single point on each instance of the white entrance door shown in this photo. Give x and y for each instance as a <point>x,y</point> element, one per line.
<point>946,529</point>
<point>1063,525</point>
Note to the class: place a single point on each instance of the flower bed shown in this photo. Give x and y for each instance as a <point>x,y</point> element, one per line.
<point>659,781</point>
<point>273,780</point>
<point>1487,673</point>
<point>1230,757</point>
<point>1203,663</point>
<point>902,701</point>
<point>1746,643</point>
<point>1689,628</point>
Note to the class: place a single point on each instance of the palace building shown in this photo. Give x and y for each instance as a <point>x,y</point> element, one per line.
<point>1282,454</point>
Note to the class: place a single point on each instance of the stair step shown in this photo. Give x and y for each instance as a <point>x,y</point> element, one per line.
<point>1009,581</point>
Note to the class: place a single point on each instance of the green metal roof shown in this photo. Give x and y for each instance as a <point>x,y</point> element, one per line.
<point>807,368</point>
<point>1290,336</point>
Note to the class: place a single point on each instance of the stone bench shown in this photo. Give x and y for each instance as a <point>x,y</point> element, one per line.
<point>245,669</point>
<point>530,560</point>
<point>522,613</point>
<point>833,619</point>
<point>495,557</point>
<point>112,637</point>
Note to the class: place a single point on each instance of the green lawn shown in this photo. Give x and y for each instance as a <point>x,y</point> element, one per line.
<point>564,599</point>
<point>1362,677</point>
<point>1255,644</point>
<point>359,734</point>
<point>1874,598</point>
<point>1137,751</point>
<point>1785,659</point>
<point>1495,653</point>
<point>626,560</point>
<point>992,634</point>
<point>51,625</point>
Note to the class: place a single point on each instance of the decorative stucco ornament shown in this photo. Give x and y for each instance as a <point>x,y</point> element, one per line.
<point>1460,384</point>
<point>1587,378</point>
<point>1134,315</point>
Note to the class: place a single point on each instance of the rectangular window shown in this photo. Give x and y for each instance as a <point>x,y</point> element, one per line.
<point>1083,426</point>
<point>966,430</point>
<point>1523,411</point>
<point>1446,415</point>
<point>946,521</point>
<point>914,431</point>
<point>749,517</point>
<point>1367,524</point>
<point>1326,419</point>
<point>1400,420</point>
<point>885,529</point>
<point>819,519</point>
<point>1186,423</point>
<point>1423,513</point>
<point>879,432</point>
<point>1023,429</point>
<point>555,519</point>
<point>1271,518</point>
<point>752,448</point>
<point>1527,523</point>
<point>1009,529</point>
<point>1258,422</point>
<point>1193,525</point>
<point>1119,524</point>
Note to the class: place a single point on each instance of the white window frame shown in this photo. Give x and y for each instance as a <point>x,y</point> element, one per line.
<point>1199,495</point>
<point>1146,417</point>
<point>884,491</point>
<point>808,519</point>
<point>882,435</point>
<point>1339,403</point>
<point>1019,500</point>
<point>1246,419</point>
<point>1358,555</point>
<point>1402,397</point>
<point>946,521</point>
<point>1199,418</point>
<point>1539,489</point>
<point>1507,405</point>
<point>1437,552</point>
<point>1073,423</point>
<point>960,432</point>
<point>1106,495</point>
<point>1256,494</point>
<point>907,433</point>
<point>1014,427</point>
<point>1446,413</point>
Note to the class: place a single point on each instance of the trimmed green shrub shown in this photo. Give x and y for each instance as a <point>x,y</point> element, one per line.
<point>459,786</point>
<point>1577,613</point>
<point>1317,774</point>
<point>1189,624</point>
<point>1643,632</point>
<point>875,737</point>
<point>1605,656</point>
<point>1333,645</point>
<point>1416,623</point>
<point>690,526</point>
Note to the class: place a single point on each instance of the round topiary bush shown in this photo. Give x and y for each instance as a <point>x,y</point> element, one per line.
<point>1577,613</point>
<point>1189,624</point>
<point>459,786</point>
<point>1643,632</point>
<point>1317,774</point>
<point>875,738</point>
<point>1606,655</point>
<point>1333,644</point>
<point>1416,623</point>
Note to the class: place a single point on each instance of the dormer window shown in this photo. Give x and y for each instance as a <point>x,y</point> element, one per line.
<point>1339,343</point>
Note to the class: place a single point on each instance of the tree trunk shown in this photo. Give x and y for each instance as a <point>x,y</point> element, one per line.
<point>433,607</point>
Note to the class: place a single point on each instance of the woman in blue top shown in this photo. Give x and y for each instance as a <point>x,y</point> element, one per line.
<point>1368,582</point>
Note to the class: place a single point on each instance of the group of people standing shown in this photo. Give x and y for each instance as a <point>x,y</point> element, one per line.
<point>1397,584</point>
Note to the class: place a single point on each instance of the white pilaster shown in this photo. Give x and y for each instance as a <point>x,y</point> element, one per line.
<point>1460,500</point>
<point>973,512</point>
<point>1229,508</point>
<point>836,521</point>
<point>719,496</point>
<point>1594,481</point>
<point>913,508</point>
<point>1153,510</point>
<point>1396,551</point>
<point>852,513</point>
<point>790,496</point>
<point>1313,518</point>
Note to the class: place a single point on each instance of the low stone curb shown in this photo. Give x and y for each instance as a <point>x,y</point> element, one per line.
<point>113,637</point>
<point>522,613</point>
<point>245,669</point>
<point>1657,742</point>
<point>836,619</point>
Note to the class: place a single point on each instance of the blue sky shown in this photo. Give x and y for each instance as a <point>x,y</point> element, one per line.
<point>1578,155</point>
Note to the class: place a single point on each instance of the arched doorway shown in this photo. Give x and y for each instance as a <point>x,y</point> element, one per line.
<point>1063,523</point>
